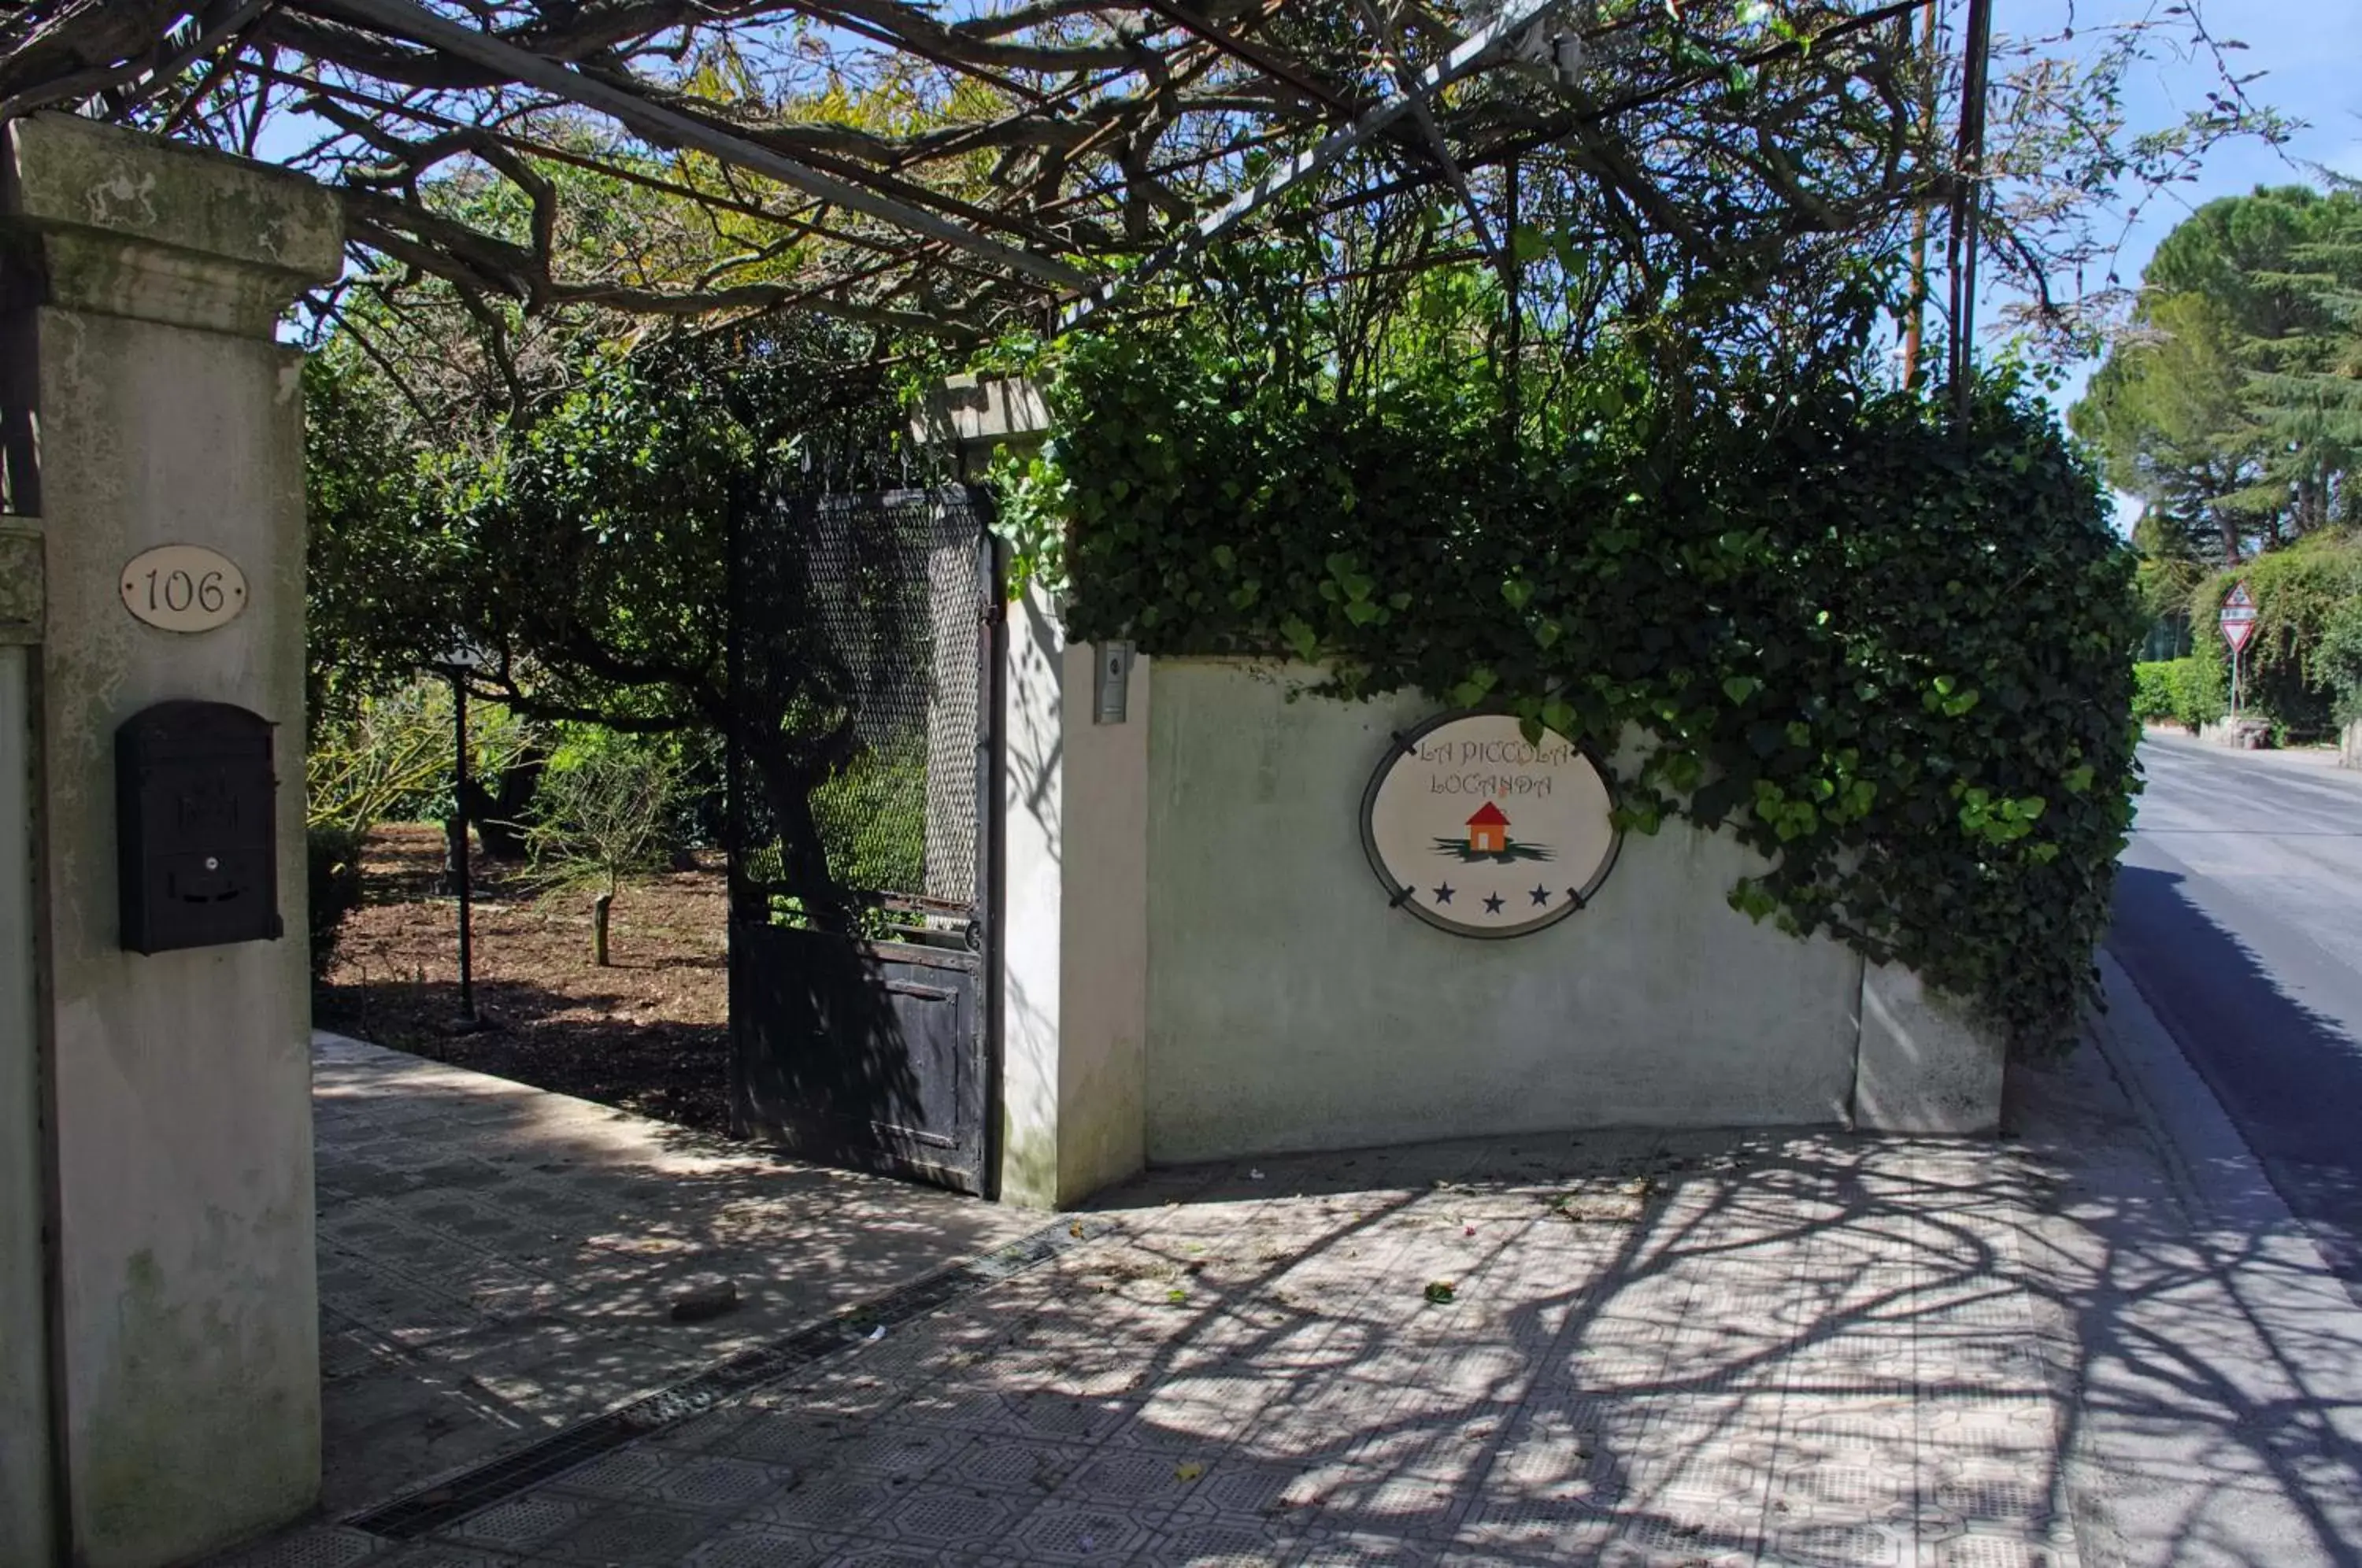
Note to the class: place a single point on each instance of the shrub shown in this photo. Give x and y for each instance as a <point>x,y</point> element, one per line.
<point>387,756</point>
<point>2294,669</point>
<point>333,878</point>
<point>2339,659</point>
<point>2189,691</point>
<point>603,811</point>
<point>872,818</point>
<point>2201,691</point>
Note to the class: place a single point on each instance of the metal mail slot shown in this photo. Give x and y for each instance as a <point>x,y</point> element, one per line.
<point>197,810</point>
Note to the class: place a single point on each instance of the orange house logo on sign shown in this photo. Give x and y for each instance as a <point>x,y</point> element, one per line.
<point>1534,848</point>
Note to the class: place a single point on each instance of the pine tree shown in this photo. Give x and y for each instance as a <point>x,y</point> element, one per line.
<point>2306,392</point>
<point>2230,405</point>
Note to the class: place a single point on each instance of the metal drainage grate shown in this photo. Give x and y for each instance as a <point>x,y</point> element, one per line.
<point>447,1501</point>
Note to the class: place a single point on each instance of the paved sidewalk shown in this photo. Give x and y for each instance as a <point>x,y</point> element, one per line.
<point>1625,1350</point>
<point>497,1261</point>
<point>2219,1417</point>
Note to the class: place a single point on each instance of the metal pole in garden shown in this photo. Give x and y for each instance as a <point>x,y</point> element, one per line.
<point>467,1019</point>
<point>457,665</point>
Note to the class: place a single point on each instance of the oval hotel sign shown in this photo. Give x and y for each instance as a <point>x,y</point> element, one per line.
<point>1475,829</point>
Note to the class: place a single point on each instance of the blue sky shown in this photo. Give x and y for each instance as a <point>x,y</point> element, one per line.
<point>2311,53</point>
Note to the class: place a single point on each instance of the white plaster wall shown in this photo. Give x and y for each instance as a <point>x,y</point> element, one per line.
<point>1032,788</point>
<point>1104,989</point>
<point>190,1358</point>
<point>1288,1008</point>
<point>1074,931</point>
<point>25,1475</point>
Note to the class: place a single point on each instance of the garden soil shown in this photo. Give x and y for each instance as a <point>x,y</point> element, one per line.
<point>649,1034</point>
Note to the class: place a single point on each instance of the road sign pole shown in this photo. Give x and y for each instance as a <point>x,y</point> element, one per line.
<point>2237,623</point>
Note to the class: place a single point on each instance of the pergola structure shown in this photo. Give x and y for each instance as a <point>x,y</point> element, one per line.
<point>958,168</point>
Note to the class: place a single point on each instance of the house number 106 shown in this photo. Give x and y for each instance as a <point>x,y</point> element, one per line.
<point>181,593</point>
<point>183,588</point>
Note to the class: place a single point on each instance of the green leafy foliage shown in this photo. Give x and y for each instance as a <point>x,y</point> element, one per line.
<point>873,817</point>
<point>2230,405</point>
<point>2186,691</point>
<point>386,755</point>
<point>2339,659</point>
<point>2291,672</point>
<point>603,810</point>
<point>577,545</point>
<point>1892,654</point>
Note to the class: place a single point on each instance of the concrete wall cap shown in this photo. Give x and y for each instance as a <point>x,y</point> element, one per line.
<point>130,226</point>
<point>970,409</point>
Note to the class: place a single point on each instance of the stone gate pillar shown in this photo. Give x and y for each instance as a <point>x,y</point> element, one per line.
<point>180,1360</point>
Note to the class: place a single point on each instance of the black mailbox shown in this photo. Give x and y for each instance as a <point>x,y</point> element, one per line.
<point>196,816</point>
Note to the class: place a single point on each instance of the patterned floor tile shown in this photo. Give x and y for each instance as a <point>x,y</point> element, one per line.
<point>631,1532</point>
<point>1216,1544</point>
<point>830,1502</point>
<point>1014,1464</point>
<point>310,1548</point>
<point>1059,1532</point>
<point>711,1484</point>
<point>431,1555</point>
<point>747,1545</point>
<point>521,1524</point>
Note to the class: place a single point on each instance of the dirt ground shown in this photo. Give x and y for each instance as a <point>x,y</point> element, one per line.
<point>649,1034</point>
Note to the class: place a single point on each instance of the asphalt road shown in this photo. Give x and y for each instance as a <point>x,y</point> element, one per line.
<point>2239,917</point>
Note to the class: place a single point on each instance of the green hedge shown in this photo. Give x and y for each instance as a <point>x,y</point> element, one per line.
<point>2304,658</point>
<point>1893,655</point>
<point>2186,691</point>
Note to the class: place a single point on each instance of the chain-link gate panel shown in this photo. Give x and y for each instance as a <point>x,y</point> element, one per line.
<point>863,647</point>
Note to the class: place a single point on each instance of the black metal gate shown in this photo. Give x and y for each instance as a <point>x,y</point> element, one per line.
<point>865,640</point>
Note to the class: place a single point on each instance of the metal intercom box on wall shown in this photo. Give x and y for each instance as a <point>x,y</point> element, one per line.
<point>196,810</point>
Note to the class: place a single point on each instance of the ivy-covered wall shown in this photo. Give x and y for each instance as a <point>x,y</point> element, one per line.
<point>1892,653</point>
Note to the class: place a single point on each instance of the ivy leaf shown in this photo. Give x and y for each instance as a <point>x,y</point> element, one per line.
<point>1301,637</point>
<point>1518,592</point>
<point>1225,557</point>
<point>1559,714</point>
<point>1739,688</point>
<point>1548,632</point>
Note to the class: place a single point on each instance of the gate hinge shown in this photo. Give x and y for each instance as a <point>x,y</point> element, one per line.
<point>994,611</point>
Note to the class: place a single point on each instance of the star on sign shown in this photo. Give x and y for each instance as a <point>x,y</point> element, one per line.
<point>1443,894</point>
<point>1493,904</point>
<point>1541,895</point>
